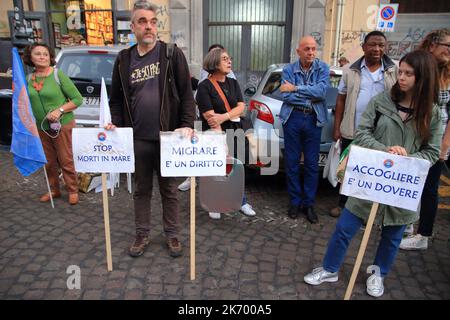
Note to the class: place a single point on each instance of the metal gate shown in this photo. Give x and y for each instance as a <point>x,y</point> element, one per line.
<point>256,33</point>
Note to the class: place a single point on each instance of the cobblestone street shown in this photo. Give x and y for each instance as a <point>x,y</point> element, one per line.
<point>238,257</point>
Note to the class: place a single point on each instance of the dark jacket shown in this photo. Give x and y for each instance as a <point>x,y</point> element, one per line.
<point>177,104</point>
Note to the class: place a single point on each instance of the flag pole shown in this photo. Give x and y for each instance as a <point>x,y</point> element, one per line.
<point>49,190</point>
<point>106,218</point>
<point>105,118</point>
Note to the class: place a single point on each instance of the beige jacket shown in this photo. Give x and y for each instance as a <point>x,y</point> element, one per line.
<point>352,79</point>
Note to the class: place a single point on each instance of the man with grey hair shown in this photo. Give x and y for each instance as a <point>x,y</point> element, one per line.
<point>151,92</point>
<point>303,114</point>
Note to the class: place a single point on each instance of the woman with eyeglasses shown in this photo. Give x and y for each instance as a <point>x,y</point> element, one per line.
<point>438,44</point>
<point>220,103</point>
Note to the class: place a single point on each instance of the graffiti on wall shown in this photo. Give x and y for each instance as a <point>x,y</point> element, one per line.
<point>415,34</point>
<point>397,46</point>
<point>162,14</point>
<point>163,17</point>
<point>253,81</point>
<point>409,42</point>
<point>318,37</point>
<point>179,38</point>
<point>397,49</point>
<point>350,36</point>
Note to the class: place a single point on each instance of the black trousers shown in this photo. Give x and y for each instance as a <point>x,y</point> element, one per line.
<point>430,199</point>
<point>147,160</point>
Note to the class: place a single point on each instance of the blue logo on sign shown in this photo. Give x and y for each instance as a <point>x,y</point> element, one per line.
<point>390,25</point>
<point>194,140</point>
<point>388,163</point>
<point>101,136</point>
<point>381,25</point>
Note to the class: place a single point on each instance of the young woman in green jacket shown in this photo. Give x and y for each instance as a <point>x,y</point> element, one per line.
<point>409,125</point>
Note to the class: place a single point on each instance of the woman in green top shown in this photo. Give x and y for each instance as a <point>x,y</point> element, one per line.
<point>409,124</point>
<point>52,104</point>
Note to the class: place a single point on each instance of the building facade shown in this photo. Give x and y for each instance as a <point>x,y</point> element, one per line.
<point>257,33</point>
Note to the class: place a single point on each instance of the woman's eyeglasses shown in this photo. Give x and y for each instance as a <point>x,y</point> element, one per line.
<point>226,59</point>
<point>444,44</point>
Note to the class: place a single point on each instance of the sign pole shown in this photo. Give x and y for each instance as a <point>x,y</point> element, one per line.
<point>106,218</point>
<point>362,250</point>
<point>192,228</point>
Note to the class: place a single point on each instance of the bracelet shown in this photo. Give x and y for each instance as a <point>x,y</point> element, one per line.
<point>229,118</point>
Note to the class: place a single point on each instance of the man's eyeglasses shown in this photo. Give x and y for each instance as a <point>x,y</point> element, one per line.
<point>226,59</point>
<point>144,22</point>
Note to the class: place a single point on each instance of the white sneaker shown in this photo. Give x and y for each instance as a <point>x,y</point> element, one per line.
<point>248,210</point>
<point>416,242</point>
<point>185,185</point>
<point>409,230</point>
<point>375,287</point>
<point>320,275</point>
<point>214,215</point>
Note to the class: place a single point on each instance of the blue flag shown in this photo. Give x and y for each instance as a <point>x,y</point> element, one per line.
<point>26,145</point>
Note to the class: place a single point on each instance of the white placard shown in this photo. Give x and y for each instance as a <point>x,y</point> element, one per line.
<point>385,178</point>
<point>387,15</point>
<point>202,156</point>
<point>98,150</point>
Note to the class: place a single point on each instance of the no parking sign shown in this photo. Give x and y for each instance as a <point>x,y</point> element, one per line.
<point>387,16</point>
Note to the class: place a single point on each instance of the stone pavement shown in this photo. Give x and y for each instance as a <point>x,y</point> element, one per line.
<point>238,257</point>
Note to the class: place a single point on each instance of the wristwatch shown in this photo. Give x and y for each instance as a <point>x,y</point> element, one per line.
<point>61,110</point>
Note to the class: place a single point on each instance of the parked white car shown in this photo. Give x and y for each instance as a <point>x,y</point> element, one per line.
<point>86,65</point>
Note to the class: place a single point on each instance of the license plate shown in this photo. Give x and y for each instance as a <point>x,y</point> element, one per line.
<point>322,159</point>
<point>91,100</point>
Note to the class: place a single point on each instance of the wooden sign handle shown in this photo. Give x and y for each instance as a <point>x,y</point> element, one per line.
<point>362,250</point>
<point>106,218</point>
<point>192,228</point>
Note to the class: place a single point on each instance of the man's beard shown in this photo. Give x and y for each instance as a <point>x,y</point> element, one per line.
<point>149,40</point>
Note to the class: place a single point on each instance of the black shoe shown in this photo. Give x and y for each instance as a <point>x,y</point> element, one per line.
<point>310,215</point>
<point>293,211</point>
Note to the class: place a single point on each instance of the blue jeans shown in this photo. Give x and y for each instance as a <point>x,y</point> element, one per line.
<point>244,199</point>
<point>346,228</point>
<point>301,135</point>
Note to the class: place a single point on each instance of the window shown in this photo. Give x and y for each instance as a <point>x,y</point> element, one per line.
<point>272,87</point>
<point>91,67</point>
<point>422,6</point>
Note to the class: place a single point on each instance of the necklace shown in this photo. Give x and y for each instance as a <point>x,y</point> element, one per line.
<point>37,85</point>
<point>404,109</point>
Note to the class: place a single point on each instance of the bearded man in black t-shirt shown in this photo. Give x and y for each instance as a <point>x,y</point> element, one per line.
<point>143,97</point>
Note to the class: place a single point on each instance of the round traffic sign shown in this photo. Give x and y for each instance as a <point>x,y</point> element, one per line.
<point>387,13</point>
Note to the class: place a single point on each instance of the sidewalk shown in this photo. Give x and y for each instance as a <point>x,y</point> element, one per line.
<point>237,257</point>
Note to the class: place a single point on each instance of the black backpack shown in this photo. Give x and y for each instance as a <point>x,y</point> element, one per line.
<point>170,48</point>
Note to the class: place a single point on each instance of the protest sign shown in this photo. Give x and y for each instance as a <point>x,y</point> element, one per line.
<point>204,154</point>
<point>98,150</point>
<point>201,156</point>
<point>385,178</point>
